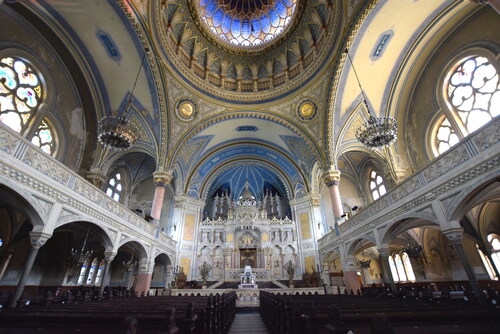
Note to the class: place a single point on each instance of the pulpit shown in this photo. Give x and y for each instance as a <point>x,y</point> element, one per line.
<point>247,279</point>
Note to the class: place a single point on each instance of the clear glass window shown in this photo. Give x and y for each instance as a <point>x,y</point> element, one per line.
<point>115,187</point>
<point>376,184</point>
<point>472,94</point>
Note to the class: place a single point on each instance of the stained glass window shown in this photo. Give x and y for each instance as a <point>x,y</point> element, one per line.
<point>377,186</point>
<point>83,271</point>
<point>472,94</point>
<point>115,187</point>
<point>246,22</point>
<point>92,270</point>
<point>43,138</point>
<point>20,92</point>
<point>98,277</point>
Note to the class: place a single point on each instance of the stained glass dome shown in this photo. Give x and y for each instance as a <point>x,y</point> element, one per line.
<point>248,24</point>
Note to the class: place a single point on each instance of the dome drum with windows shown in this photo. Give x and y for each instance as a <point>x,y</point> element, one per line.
<point>250,24</point>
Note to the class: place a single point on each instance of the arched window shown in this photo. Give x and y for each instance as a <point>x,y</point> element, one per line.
<point>92,270</point>
<point>494,241</point>
<point>377,186</point>
<point>115,187</point>
<point>487,263</point>
<point>83,271</point>
<point>401,268</point>
<point>98,277</point>
<point>21,93</point>
<point>472,94</point>
<point>408,267</point>
<point>43,138</point>
<point>394,271</point>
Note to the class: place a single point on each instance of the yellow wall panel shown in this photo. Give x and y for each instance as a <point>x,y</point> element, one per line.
<point>189,228</point>
<point>304,226</point>
<point>186,265</point>
<point>309,263</point>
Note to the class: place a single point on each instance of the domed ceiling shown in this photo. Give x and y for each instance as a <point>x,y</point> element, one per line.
<point>246,51</point>
<point>245,25</point>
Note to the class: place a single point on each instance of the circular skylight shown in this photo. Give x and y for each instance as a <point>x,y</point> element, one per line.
<point>249,24</point>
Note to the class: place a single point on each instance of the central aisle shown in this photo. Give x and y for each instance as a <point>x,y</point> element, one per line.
<point>247,321</point>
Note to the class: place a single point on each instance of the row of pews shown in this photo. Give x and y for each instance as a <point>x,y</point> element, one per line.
<point>340,314</point>
<point>158,315</point>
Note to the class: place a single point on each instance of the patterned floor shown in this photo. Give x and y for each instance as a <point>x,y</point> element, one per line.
<point>248,323</point>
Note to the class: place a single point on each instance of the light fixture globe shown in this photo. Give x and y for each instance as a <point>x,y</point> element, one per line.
<point>116,133</point>
<point>377,132</point>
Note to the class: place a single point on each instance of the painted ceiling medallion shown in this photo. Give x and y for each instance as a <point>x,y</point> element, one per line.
<point>307,110</point>
<point>186,109</point>
<point>249,25</point>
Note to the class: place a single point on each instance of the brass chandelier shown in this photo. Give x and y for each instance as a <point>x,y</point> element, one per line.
<point>377,132</point>
<point>116,132</point>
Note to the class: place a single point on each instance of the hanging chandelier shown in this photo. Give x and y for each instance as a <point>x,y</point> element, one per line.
<point>413,251</point>
<point>131,264</point>
<point>80,256</point>
<point>116,132</point>
<point>377,132</point>
<point>363,263</point>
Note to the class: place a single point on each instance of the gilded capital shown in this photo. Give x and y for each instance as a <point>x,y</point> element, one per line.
<point>331,177</point>
<point>161,178</point>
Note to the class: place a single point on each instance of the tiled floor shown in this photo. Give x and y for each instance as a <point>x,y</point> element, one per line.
<point>248,323</point>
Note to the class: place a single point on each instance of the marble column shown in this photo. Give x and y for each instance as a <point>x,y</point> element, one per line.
<point>108,258</point>
<point>143,279</point>
<point>350,272</point>
<point>332,178</point>
<point>38,239</point>
<point>386,268</point>
<point>161,180</point>
<point>455,235</point>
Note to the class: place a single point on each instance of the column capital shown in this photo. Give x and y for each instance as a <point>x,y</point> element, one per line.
<point>331,177</point>
<point>38,239</point>
<point>454,234</point>
<point>109,256</point>
<point>384,252</point>
<point>162,178</point>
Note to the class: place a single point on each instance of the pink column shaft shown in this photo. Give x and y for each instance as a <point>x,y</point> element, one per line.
<point>157,202</point>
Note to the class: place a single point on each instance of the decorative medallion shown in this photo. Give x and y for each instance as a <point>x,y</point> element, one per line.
<point>307,110</point>
<point>186,110</point>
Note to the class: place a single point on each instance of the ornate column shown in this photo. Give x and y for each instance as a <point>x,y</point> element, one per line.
<point>455,235</point>
<point>349,269</point>
<point>332,178</point>
<point>161,180</point>
<point>108,258</point>
<point>386,268</point>
<point>38,239</point>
